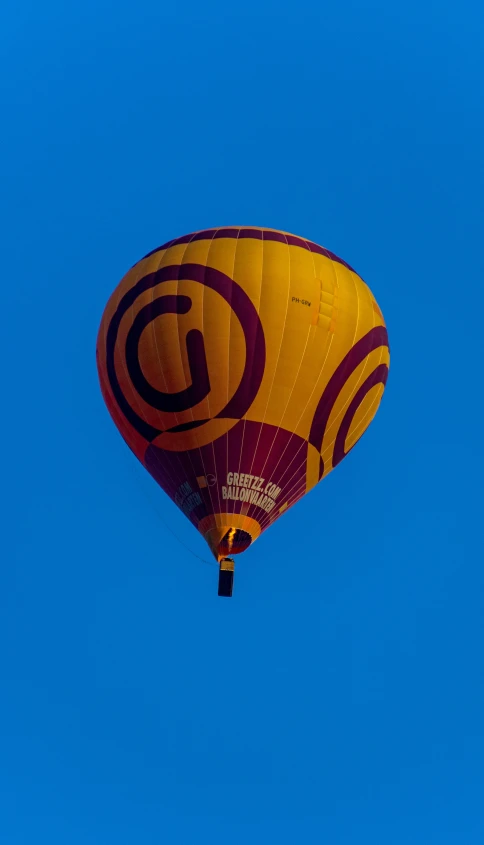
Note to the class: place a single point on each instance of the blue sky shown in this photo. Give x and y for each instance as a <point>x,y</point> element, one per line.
<point>338,697</point>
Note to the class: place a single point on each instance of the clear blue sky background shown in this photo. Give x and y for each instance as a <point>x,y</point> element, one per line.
<point>338,699</point>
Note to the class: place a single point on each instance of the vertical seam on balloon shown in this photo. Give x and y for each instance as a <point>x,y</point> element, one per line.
<point>132,318</point>
<point>363,371</point>
<point>296,471</point>
<point>330,340</point>
<point>156,342</point>
<point>376,400</point>
<point>187,451</point>
<point>249,513</point>
<point>244,421</point>
<point>279,427</point>
<point>251,508</point>
<point>228,358</point>
<point>287,493</point>
<point>357,313</point>
<point>244,428</point>
<point>208,488</point>
<point>180,265</point>
<point>164,463</point>
<point>290,498</point>
<point>278,357</point>
<point>330,444</point>
<point>208,398</point>
<point>298,468</point>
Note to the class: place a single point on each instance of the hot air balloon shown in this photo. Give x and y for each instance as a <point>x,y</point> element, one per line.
<point>241,365</point>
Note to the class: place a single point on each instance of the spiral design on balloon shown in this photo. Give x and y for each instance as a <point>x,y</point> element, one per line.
<point>185,399</point>
<point>374,339</point>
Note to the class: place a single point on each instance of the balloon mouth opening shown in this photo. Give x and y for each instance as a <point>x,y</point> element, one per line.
<point>229,533</point>
<point>234,541</point>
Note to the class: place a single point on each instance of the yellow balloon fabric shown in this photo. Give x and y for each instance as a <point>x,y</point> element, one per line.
<point>241,365</point>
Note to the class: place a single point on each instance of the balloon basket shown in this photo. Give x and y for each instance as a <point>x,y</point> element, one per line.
<point>226,577</point>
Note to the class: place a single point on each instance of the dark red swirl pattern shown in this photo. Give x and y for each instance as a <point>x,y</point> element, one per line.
<point>374,339</point>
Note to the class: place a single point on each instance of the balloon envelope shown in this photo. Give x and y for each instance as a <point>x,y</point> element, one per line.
<point>241,365</point>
